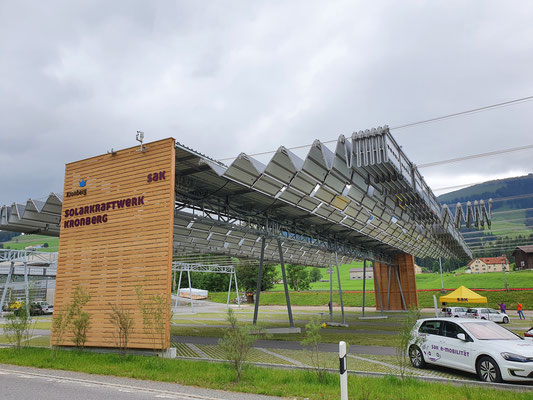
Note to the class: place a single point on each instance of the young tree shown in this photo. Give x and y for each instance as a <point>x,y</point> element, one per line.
<point>18,323</point>
<point>311,341</point>
<point>80,319</point>
<point>405,337</point>
<point>156,315</point>
<point>298,277</point>
<point>17,326</point>
<point>236,343</point>
<point>60,325</point>
<point>123,321</point>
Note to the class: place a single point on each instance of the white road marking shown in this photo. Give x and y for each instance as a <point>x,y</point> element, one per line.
<point>28,339</point>
<point>197,350</point>
<point>291,360</point>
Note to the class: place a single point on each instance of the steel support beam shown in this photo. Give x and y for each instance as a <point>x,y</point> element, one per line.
<point>376,286</point>
<point>364,285</point>
<point>26,287</point>
<point>285,285</point>
<point>340,288</point>
<point>330,305</point>
<point>8,281</point>
<point>400,286</point>
<point>388,292</point>
<point>259,279</point>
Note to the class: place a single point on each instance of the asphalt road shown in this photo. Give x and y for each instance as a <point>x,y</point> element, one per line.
<point>23,383</point>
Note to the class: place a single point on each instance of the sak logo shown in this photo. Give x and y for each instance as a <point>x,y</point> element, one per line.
<point>80,192</point>
<point>156,176</point>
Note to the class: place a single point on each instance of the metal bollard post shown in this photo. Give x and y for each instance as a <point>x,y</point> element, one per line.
<point>342,371</point>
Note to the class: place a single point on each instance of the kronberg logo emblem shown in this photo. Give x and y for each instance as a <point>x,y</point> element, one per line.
<point>79,192</point>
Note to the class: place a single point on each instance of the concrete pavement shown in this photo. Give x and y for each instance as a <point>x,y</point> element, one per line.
<point>45,384</point>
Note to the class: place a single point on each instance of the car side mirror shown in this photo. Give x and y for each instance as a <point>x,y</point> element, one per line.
<point>461,336</point>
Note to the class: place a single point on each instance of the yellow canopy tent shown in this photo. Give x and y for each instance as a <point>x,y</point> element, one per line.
<point>463,295</point>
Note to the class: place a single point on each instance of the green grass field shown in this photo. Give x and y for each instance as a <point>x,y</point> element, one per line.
<point>23,241</point>
<point>490,280</point>
<point>425,299</point>
<point>267,381</point>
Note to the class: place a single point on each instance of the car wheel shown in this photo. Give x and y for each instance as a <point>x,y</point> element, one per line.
<point>483,318</point>
<point>416,357</point>
<point>488,370</point>
<point>505,320</point>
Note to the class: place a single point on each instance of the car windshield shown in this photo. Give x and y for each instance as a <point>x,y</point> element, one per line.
<point>489,331</point>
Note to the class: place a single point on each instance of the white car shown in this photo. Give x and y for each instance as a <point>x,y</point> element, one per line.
<point>494,353</point>
<point>489,314</point>
<point>47,308</point>
<point>454,312</point>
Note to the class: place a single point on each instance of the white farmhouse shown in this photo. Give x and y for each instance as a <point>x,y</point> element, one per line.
<point>488,264</point>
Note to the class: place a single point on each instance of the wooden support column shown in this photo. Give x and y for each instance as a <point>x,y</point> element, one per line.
<point>393,297</point>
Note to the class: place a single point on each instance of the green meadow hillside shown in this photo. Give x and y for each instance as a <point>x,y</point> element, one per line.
<point>512,214</point>
<point>452,280</point>
<point>46,243</point>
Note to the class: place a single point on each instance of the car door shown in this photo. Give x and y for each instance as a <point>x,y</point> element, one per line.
<point>491,315</point>
<point>495,316</point>
<point>484,314</point>
<point>430,335</point>
<point>455,353</point>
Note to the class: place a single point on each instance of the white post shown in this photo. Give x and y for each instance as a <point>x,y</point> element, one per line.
<point>190,287</point>
<point>178,294</point>
<point>436,309</point>
<point>343,371</point>
<point>229,289</point>
<point>237,288</point>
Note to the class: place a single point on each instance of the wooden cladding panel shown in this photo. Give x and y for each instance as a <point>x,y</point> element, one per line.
<point>132,249</point>
<point>406,270</point>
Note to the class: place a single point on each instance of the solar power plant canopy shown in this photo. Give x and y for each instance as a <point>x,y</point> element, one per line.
<point>364,200</point>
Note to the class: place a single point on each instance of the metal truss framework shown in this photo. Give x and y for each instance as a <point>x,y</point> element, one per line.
<point>181,266</point>
<point>46,262</point>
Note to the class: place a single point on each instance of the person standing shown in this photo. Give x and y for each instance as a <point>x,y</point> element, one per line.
<point>503,307</point>
<point>520,312</point>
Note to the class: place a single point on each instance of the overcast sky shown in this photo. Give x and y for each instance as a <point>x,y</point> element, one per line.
<point>224,77</point>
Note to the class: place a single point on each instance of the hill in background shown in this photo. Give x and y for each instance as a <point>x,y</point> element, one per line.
<point>520,188</point>
<point>512,218</point>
